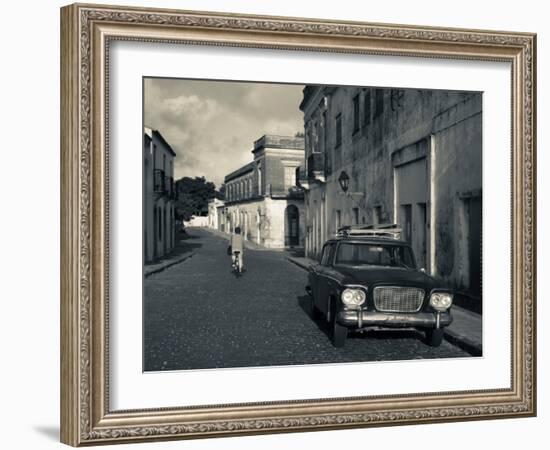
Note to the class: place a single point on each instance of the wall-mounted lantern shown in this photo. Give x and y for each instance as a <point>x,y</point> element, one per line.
<point>343,179</point>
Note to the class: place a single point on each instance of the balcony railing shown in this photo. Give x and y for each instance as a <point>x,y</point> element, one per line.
<point>163,184</point>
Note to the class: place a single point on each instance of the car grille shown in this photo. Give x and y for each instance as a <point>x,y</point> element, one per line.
<point>398,299</point>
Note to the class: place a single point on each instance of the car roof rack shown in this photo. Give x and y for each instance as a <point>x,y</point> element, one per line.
<point>379,230</point>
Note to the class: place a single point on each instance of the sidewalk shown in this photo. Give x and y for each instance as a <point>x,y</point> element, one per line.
<point>181,252</point>
<point>465,330</point>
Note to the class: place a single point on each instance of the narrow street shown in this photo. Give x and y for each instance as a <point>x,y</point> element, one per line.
<point>198,315</point>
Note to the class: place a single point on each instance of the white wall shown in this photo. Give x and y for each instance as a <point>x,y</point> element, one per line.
<point>29,329</point>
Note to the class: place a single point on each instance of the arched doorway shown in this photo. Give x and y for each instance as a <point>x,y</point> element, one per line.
<point>292,226</point>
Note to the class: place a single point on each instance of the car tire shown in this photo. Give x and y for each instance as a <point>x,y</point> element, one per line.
<point>339,333</point>
<point>434,337</point>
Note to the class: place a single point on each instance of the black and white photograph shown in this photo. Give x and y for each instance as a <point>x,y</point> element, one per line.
<point>288,224</point>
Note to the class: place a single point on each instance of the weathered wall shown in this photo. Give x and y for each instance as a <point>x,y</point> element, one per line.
<point>261,211</point>
<point>158,238</point>
<point>396,130</point>
<point>263,221</point>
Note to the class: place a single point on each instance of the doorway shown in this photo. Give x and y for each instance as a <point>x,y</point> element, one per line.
<point>473,209</point>
<point>292,229</point>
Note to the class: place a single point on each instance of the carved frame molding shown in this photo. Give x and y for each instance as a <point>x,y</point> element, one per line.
<point>86,32</point>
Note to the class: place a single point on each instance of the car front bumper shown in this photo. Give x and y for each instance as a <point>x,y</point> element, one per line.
<point>362,319</point>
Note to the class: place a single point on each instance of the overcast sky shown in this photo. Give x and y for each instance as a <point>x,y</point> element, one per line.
<point>212,125</point>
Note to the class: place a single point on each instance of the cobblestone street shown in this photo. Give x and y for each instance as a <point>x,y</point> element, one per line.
<point>198,315</point>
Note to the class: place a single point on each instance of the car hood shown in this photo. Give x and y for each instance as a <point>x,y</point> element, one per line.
<point>394,276</point>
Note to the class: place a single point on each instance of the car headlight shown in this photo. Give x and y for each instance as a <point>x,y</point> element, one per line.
<point>353,297</point>
<point>441,301</point>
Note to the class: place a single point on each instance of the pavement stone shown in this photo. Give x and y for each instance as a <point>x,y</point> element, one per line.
<point>182,250</point>
<point>199,315</point>
<point>465,331</point>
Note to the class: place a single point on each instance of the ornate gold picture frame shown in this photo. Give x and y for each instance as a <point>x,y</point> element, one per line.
<point>87,31</point>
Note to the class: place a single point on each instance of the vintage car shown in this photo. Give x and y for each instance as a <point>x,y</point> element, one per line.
<point>367,277</point>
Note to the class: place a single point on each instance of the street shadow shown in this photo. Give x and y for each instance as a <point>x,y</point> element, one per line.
<point>181,248</point>
<point>51,432</point>
<point>297,252</point>
<point>186,235</point>
<point>305,304</point>
<point>304,301</point>
<point>396,333</point>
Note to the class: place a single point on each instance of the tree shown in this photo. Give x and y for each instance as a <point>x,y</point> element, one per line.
<point>193,195</point>
<point>221,192</point>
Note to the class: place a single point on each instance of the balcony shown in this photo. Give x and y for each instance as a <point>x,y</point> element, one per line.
<point>316,167</point>
<point>293,192</point>
<point>163,185</point>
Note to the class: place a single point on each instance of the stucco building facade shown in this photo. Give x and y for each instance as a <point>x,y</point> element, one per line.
<point>215,214</point>
<point>262,197</point>
<point>158,196</point>
<point>411,157</point>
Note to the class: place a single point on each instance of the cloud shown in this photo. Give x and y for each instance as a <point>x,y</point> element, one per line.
<point>212,125</point>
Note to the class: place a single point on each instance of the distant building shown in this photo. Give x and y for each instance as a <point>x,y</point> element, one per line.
<point>196,221</point>
<point>262,197</point>
<point>215,214</point>
<point>411,157</point>
<point>158,196</point>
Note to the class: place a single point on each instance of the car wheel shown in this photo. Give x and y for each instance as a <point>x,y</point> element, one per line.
<point>339,333</point>
<point>434,336</point>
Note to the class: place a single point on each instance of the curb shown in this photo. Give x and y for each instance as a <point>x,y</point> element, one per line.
<point>298,263</point>
<point>466,344</point>
<point>461,341</point>
<point>168,264</point>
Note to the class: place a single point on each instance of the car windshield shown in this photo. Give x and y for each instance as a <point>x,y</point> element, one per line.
<point>357,254</point>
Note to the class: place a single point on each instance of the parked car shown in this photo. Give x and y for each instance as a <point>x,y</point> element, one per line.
<point>367,277</point>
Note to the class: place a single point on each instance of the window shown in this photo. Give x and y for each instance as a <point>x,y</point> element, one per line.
<point>366,108</point>
<point>309,140</point>
<point>315,138</point>
<point>325,258</point>
<point>356,114</point>
<point>159,215</point>
<point>155,218</point>
<point>377,215</point>
<point>356,216</point>
<point>259,178</point>
<point>290,177</point>
<point>338,130</point>
<point>378,102</point>
<point>374,255</point>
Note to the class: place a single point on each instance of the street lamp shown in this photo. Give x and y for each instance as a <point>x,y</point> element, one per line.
<point>343,179</point>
